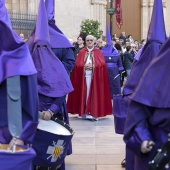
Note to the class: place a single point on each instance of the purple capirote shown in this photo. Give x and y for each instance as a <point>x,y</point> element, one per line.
<point>155,38</point>
<point>153,87</point>
<point>15,58</point>
<point>57,38</point>
<point>53,80</point>
<point>109,49</point>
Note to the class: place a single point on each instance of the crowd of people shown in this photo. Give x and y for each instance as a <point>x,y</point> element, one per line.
<point>126,46</point>
<point>36,75</point>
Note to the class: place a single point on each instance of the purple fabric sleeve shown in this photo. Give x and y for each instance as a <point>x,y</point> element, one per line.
<point>28,132</point>
<point>121,68</point>
<point>134,143</point>
<point>136,127</point>
<point>57,104</point>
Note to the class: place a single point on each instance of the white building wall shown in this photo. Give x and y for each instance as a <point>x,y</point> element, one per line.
<point>70,13</point>
<point>146,12</point>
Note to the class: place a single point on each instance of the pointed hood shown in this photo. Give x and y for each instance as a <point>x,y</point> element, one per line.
<point>57,38</point>
<point>50,5</point>
<point>153,90</point>
<point>108,36</point>
<point>109,50</point>
<point>156,37</point>
<point>42,30</point>
<point>157,23</point>
<point>15,58</point>
<point>53,80</point>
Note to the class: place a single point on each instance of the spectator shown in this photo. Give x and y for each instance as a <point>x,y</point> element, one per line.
<point>90,83</point>
<point>80,45</point>
<point>143,42</point>
<point>99,44</point>
<point>123,37</point>
<point>128,59</point>
<point>102,37</point>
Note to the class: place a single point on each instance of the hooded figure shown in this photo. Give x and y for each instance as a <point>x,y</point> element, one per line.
<point>15,60</point>
<point>60,44</point>
<point>156,37</point>
<point>147,123</point>
<point>53,81</point>
<point>114,65</point>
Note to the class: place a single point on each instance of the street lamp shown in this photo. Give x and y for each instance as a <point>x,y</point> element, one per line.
<point>111,12</point>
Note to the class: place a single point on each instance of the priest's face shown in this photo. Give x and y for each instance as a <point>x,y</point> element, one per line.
<point>90,41</point>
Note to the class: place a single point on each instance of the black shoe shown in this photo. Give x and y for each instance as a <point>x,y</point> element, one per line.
<point>123,163</point>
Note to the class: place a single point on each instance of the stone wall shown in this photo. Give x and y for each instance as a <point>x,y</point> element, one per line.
<point>146,12</point>
<point>69,14</point>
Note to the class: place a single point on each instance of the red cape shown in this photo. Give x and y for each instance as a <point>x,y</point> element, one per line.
<point>99,101</point>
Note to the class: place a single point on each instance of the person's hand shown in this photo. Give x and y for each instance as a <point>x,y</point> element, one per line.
<point>46,115</point>
<point>88,66</point>
<point>147,146</point>
<point>15,141</point>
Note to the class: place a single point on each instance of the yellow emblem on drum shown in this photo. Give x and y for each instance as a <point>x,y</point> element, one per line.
<point>56,150</point>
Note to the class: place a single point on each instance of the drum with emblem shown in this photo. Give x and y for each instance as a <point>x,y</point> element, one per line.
<point>51,142</point>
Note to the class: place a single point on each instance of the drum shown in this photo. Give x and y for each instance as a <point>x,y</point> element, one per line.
<point>51,142</point>
<point>119,113</point>
<point>21,159</point>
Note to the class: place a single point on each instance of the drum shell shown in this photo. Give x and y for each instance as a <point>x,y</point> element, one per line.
<point>42,141</point>
<point>17,160</point>
<point>119,113</point>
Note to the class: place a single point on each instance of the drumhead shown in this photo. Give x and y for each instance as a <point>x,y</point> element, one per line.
<point>53,127</point>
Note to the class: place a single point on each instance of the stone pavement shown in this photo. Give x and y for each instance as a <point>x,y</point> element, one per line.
<point>95,145</point>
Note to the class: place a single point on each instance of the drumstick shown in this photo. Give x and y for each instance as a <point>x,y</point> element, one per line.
<point>118,75</point>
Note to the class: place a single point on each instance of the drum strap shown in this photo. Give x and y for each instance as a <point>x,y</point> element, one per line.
<point>14,106</point>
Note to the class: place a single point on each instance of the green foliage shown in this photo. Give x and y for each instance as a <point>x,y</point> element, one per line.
<point>90,27</point>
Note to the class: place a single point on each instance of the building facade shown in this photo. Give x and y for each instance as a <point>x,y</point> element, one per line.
<point>136,17</point>
<point>70,13</point>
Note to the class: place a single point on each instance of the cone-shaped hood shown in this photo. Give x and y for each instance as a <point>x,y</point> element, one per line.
<point>15,58</point>
<point>108,36</point>
<point>50,8</point>
<point>4,14</point>
<point>109,50</point>
<point>156,37</point>
<point>154,85</point>
<point>42,30</point>
<point>157,26</point>
<point>53,80</point>
<point>57,38</point>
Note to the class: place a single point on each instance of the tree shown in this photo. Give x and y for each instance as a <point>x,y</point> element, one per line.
<point>90,27</point>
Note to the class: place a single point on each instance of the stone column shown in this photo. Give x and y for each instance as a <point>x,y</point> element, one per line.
<point>166,17</point>
<point>32,6</point>
<point>8,4</point>
<point>150,6</point>
<point>144,18</point>
<point>24,6</point>
<point>98,12</point>
<point>16,6</point>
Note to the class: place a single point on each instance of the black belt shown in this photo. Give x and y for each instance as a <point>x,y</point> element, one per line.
<point>45,168</point>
